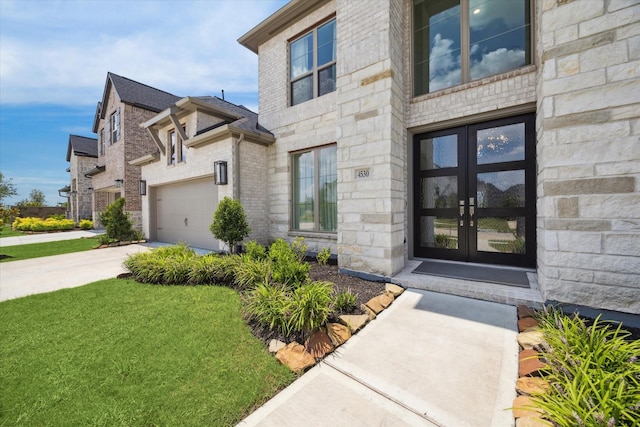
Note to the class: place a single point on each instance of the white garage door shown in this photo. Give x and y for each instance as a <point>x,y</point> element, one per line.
<point>184,213</point>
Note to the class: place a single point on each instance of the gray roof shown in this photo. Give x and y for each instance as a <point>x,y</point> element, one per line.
<point>82,146</point>
<point>249,120</point>
<point>141,95</point>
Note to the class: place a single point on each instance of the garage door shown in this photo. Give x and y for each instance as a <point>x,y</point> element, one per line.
<point>184,213</point>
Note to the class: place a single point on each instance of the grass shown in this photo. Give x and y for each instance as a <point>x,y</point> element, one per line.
<point>6,231</point>
<point>37,250</point>
<point>121,353</point>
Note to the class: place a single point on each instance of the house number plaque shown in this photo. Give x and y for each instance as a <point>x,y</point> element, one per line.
<point>362,173</point>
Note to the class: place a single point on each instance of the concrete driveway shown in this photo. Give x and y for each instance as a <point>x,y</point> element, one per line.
<point>47,274</point>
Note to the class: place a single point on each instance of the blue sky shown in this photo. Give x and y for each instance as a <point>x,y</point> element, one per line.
<point>55,55</point>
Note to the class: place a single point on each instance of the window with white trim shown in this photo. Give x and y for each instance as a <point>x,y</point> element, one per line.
<point>314,184</point>
<point>458,41</point>
<point>115,126</point>
<point>177,150</point>
<point>312,63</point>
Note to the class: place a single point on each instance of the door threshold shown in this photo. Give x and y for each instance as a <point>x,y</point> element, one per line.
<point>509,276</point>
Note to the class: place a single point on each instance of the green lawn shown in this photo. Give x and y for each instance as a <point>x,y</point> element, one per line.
<point>120,353</point>
<point>8,232</point>
<point>37,250</point>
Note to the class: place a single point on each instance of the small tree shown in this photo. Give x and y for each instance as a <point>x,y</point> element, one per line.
<point>36,198</point>
<point>230,223</point>
<point>116,221</point>
<point>7,188</point>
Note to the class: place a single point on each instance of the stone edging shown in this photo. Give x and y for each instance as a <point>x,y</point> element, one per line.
<point>299,357</point>
<point>530,381</point>
<point>116,244</point>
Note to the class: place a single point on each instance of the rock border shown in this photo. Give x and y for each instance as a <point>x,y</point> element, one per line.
<point>300,357</point>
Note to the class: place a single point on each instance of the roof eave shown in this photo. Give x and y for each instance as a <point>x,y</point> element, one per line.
<point>277,22</point>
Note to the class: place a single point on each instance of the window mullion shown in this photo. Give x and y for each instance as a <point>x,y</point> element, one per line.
<point>465,37</point>
<point>315,63</point>
<point>316,189</point>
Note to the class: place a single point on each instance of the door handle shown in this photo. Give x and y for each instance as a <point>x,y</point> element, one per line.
<point>186,222</point>
<point>472,211</point>
<point>461,213</point>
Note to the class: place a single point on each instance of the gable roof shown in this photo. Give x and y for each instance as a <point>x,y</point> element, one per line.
<point>246,119</point>
<point>82,147</point>
<point>134,93</point>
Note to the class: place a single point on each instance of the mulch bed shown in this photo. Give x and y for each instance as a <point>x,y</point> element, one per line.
<point>363,289</point>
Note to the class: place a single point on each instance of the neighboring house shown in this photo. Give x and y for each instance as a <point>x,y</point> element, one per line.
<point>204,149</point>
<point>82,153</point>
<point>501,132</point>
<point>125,104</point>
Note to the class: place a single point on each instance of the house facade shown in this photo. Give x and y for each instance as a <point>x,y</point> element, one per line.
<point>82,153</point>
<point>500,132</point>
<point>125,104</point>
<point>205,148</point>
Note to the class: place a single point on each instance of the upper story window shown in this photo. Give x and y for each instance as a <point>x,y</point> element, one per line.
<point>457,41</point>
<point>315,196</point>
<point>178,151</point>
<point>312,61</point>
<point>115,126</point>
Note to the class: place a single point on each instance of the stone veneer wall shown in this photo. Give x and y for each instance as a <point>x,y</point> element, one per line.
<point>371,137</point>
<point>589,153</point>
<point>83,206</point>
<point>307,125</point>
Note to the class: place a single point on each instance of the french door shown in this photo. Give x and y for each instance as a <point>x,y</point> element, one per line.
<point>474,192</point>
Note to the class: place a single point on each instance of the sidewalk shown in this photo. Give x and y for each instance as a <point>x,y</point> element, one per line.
<point>429,360</point>
<point>47,237</point>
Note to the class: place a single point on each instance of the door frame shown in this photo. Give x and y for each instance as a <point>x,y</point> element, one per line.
<point>468,168</point>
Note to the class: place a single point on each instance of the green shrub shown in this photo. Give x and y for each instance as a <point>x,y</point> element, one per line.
<point>86,224</point>
<point>310,306</point>
<point>206,270</point>
<point>344,301</point>
<point>230,223</point>
<point>116,221</point>
<point>251,272</point>
<point>39,224</point>
<point>299,248</point>
<point>593,371</point>
<point>269,306</point>
<point>167,265</point>
<point>255,250</point>
<point>58,216</point>
<point>288,269</point>
<point>323,256</point>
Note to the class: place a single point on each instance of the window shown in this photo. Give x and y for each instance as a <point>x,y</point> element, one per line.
<point>315,197</point>
<point>115,126</point>
<point>178,151</point>
<point>457,41</point>
<point>312,61</point>
<point>101,142</point>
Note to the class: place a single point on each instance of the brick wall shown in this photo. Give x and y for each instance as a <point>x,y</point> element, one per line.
<point>589,153</point>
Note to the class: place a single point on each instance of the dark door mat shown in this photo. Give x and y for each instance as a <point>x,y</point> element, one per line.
<point>480,273</point>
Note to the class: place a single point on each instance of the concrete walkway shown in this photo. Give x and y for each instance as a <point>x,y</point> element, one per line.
<point>429,360</point>
<point>47,274</point>
<point>47,237</point>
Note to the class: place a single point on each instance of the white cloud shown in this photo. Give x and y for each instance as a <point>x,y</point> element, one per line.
<point>444,64</point>
<point>187,48</point>
<point>496,62</point>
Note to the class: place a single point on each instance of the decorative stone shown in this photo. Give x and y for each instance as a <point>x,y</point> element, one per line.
<point>529,364</point>
<point>523,407</point>
<point>525,311</point>
<point>531,329</point>
<point>319,344</point>
<point>338,334</point>
<point>379,303</point>
<point>530,339</point>
<point>368,312</point>
<point>295,357</point>
<point>394,290</point>
<point>354,322</point>
<point>526,323</point>
<point>276,345</point>
<point>531,385</point>
<point>531,422</point>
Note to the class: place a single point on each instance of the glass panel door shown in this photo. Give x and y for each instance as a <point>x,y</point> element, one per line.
<point>475,193</point>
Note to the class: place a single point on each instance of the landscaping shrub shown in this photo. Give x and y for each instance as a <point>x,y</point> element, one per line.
<point>268,304</point>
<point>230,223</point>
<point>310,306</point>
<point>344,301</point>
<point>86,224</point>
<point>594,372</point>
<point>39,224</point>
<point>164,265</point>
<point>323,256</point>
<point>288,267</point>
<point>250,272</point>
<point>255,250</point>
<point>116,222</point>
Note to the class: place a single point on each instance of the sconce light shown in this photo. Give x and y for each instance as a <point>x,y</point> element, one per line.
<point>118,183</point>
<point>142,187</point>
<point>220,168</point>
